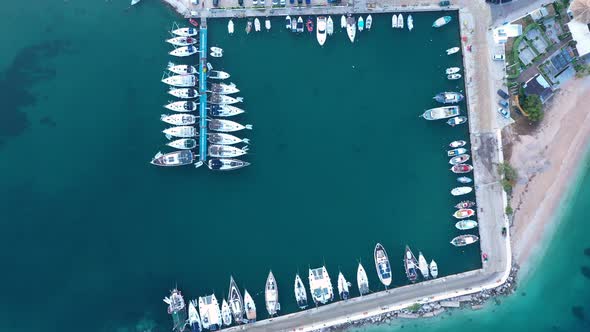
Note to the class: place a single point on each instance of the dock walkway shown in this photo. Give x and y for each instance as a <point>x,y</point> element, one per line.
<point>203,91</point>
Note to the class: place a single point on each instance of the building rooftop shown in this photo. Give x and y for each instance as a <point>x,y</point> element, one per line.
<point>539,86</point>
<point>581,34</point>
<point>501,34</point>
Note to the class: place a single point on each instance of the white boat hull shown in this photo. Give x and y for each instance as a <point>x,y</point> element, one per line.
<point>182,69</point>
<point>181,132</point>
<point>225,139</point>
<point>183,51</point>
<point>226,151</point>
<point>179,119</point>
<point>181,80</point>
<point>185,32</point>
<point>184,93</point>
<point>181,41</point>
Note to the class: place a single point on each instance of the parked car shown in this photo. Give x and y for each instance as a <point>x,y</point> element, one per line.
<point>503,103</point>
<point>275,2</point>
<point>503,94</point>
<point>283,2</point>
<point>444,3</point>
<point>498,57</point>
<point>504,113</point>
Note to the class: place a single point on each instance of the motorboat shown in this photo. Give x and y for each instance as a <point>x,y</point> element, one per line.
<point>224,110</point>
<point>226,164</point>
<point>182,81</point>
<point>300,293</point>
<point>342,22</point>
<point>400,21</point>
<point>461,168</point>
<point>433,269</point>
<point>225,313</point>
<point>194,321</point>
<point>256,24</point>
<point>448,97</point>
<point>226,126</point>
<point>343,285</point>
<point>456,152</point>
<point>210,313</point>
<point>184,51</point>
<point>410,265</point>
<point>320,285</point>
<point>452,50</point>
<point>225,139</point>
<point>271,295</point>
<point>223,99</point>
<point>369,22</point>
<point>394,21</point>
<point>182,106</point>
<point>441,21</point>
<point>464,225</point>
<point>216,52</point>
<point>288,22</point>
<point>181,132</point>
<point>330,26</point>
<point>193,22</point>
<point>182,41</point>
<point>176,158</point>
<point>423,266</point>
<point>441,113</point>
<point>226,151</point>
<point>230,27</point>
<point>185,32</point>
<point>176,305</point>
<point>267,24</point>
<point>382,265</point>
<point>460,159</point>
<point>351,28</point>
<point>293,25</point>
<point>179,119</point>
<point>223,89</point>
<point>361,280</point>
<point>453,77</point>
<point>463,213</point>
<point>463,240</point>
<point>248,27</point>
<point>134,2</point>
<point>299,24</point>
<point>309,25</point>
<point>457,144</point>
<point>321,30</point>
<point>410,22</point>
<point>457,121</point>
<point>184,93</point>
<point>182,69</point>
<point>183,144</point>
<point>461,191</point>
<point>236,302</point>
<point>452,70</point>
<point>464,179</point>
<point>217,75</point>
<point>361,24</point>
<point>465,205</point>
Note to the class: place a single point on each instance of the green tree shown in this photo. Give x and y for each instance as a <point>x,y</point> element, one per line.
<point>534,108</point>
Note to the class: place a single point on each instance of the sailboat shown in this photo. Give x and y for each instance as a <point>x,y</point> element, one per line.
<point>411,265</point>
<point>362,280</point>
<point>226,126</point>
<point>423,265</point>
<point>176,158</point>
<point>236,303</point>
<point>182,106</point>
<point>184,93</point>
<point>182,41</point>
<point>300,293</point>
<point>225,313</point>
<point>226,151</point>
<point>181,81</point>
<point>218,75</point>
<point>181,132</point>
<point>382,265</point>
<point>224,110</point>
<point>194,321</point>
<point>343,287</point>
<point>225,139</point>
<point>181,69</point>
<point>271,295</point>
<point>226,164</point>
<point>179,119</point>
<point>351,28</point>
<point>433,269</point>
<point>183,144</point>
<point>250,307</point>
<point>210,314</point>
<point>321,30</point>
<point>320,285</point>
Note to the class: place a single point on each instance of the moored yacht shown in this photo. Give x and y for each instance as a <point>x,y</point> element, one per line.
<point>184,51</point>
<point>180,80</point>
<point>361,24</point>
<point>463,240</point>
<point>179,119</point>
<point>256,24</point>
<point>465,205</point>
<point>182,106</point>
<point>236,303</point>
<point>230,27</point>
<point>321,29</point>
<point>182,41</point>
<point>351,28</point>
<point>369,22</point>
<point>181,132</point>
<point>300,293</point>
<point>394,21</point>
<point>299,24</point>
<point>288,22</point>
<point>457,144</point>
<point>225,139</point>
<point>181,69</point>
<point>224,99</point>
<point>226,126</point>
<point>320,285</point>
<point>271,295</point>
<point>465,224</point>
<point>452,50</point>
<point>460,159</point>
<point>223,89</point>
<point>448,97</point>
<point>267,24</point>
<point>225,313</point>
<point>400,21</point>
<point>452,70</point>
<point>226,151</point>
<point>250,307</point>
<point>226,164</point>
<point>184,93</point>
<point>423,265</point>
<point>183,144</point>
<point>456,152</point>
<point>224,110</point>
<point>217,74</point>
<point>362,280</point>
<point>194,321</point>
<point>330,26</point>
<point>342,22</point>
<point>343,285</point>
<point>456,120</point>
<point>433,269</point>
<point>185,32</point>
<point>382,265</point>
<point>210,313</point>
<point>441,112</point>
<point>464,213</point>
<point>411,265</point>
<point>176,308</point>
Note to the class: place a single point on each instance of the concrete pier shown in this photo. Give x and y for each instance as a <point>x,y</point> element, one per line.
<point>203,91</point>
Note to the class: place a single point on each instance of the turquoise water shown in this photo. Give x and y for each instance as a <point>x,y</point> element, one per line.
<point>94,236</point>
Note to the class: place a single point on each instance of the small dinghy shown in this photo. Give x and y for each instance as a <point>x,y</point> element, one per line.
<point>288,22</point>
<point>184,93</point>
<point>433,269</point>
<point>183,51</point>
<point>179,119</point>
<point>459,191</point>
<point>465,204</point>
<point>394,21</point>
<point>342,22</point>
<point>464,179</point>
<point>400,21</point>
<point>441,21</point>
<point>461,168</point>
<point>225,313</point>
<point>361,24</point>
<point>369,22</point>
<point>463,240</point>
<point>176,158</point>
<point>454,77</point>
<point>226,151</point>
<point>223,99</point>
<point>460,159</point>
<point>463,213</point>
<point>330,26</point>
<point>410,23</point>
<point>193,22</point>
<point>226,126</point>
<point>256,24</point>
<point>182,41</point>
<point>452,50</point>
<point>267,24</point>
<point>456,152</point>
<point>230,27</point>
<point>457,144</point>
<point>223,89</point>
<point>299,24</point>
<point>224,110</point>
<point>452,70</point>
<point>226,164</point>
<point>183,144</point>
<point>216,52</point>
<point>182,69</point>
<point>181,132</point>
<point>180,80</point>
<point>293,25</point>
<point>248,27</point>
<point>225,139</point>
<point>217,75</point>
<point>456,121</point>
<point>309,25</point>
<point>182,106</point>
<point>466,224</point>
<point>185,32</point>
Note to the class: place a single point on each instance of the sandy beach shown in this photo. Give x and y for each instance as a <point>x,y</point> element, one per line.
<point>547,162</point>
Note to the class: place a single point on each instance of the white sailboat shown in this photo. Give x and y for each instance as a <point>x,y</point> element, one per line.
<point>230,27</point>
<point>362,280</point>
<point>194,321</point>
<point>433,269</point>
<point>226,126</point>
<point>224,110</point>
<point>184,93</point>
<point>184,51</point>
<point>225,139</point>
<point>250,307</point>
<point>182,106</point>
<point>181,132</point>
<point>226,151</point>
<point>351,28</point>
<point>182,41</point>
<point>321,30</point>
<point>183,144</point>
<point>179,119</point>
<point>423,265</point>
<point>180,80</point>
<point>218,75</point>
<point>181,69</point>
<point>300,292</point>
<point>185,32</point>
<point>330,26</point>
<point>271,293</point>
<point>320,285</point>
<point>225,313</point>
<point>343,285</point>
<point>288,22</point>
<point>236,303</point>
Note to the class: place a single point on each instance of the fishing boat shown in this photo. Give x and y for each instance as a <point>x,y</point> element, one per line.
<point>463,240</point>
<point>299,24</point>
<point>230,27</point>
<point>400,21</point>
<point>225,139</point>
<point>226,126</point>
<point>461,191</point>
<point>463,213</point>
<point>181,132</point>
<point>456,152</point>
<point>193,22</point>
<point>184,93</point>
<point>288,22</point>
<point>382,265</point>
<point>176,308</point>
<point>441,21</point>
<point>185,32</point>
<point>225,313</point>
<point>293,25</point>
<point>394,21</point>
<point>448,97</point>
<point>210,313</point>
<point>223,99</point>
<point>300,293</point>
<point>320,285</point>
<point>183,143</point>
<point>423,265</point>
<point>441,113</point>
<point>361,280</point>
<point>194,321</point>
<point>179,119</point>
<point>452,50</point>
<point>216,52</point>
<point>456,121</point>
<point>410,265</point>
<point>226,164</point>
<point>452,70</point>
<point>410,22</point>
<point>271,295</point>
<point>361,24</point>
<point>223,89</point>
<point>465,205</point>
<point>309,24</point>
<point>342,22</point>
<point>330,26</point>
<point>236,303</point>
<point>351,28</point>
<point>453,77</point>
<point>182,69</point>
<point>457,144</point>
<point>217,75</point>
<point>250,307</point>
<point>433,269</point>
<point>182,41</point>
<point>267,24</point>
<point>343,285</point>
<point>183,51</point>
<point>460,159</point>
<point>321,30</point>
<point>248,27</point>
<point>369,22</point>
<point>461,168</point>
<point>224,110</point>
<point>464,179</point>
<point>182,106</point>
<point>256,24</point>
<point>465,224</point>
<point>180,80</point>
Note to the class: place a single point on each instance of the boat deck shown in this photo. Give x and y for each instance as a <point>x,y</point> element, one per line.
<point>203,91</point>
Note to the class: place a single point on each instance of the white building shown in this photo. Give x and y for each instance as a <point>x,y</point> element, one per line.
<point>501,34</point>
<point>581,34</point>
